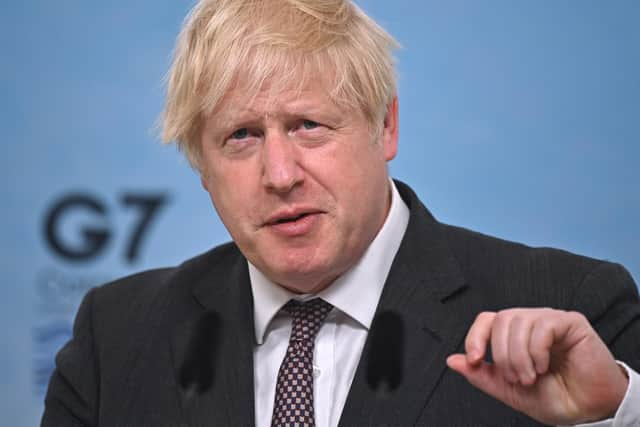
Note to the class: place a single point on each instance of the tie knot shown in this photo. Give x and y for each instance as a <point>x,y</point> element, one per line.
<point>307,317</point>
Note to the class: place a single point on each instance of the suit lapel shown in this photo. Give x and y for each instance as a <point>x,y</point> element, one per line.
<point>212,347</point>
<point>426,290</point>
<point>212,342</point>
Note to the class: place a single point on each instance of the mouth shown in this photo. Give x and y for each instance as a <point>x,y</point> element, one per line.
<point>292,223</point>
<point>288,219</point>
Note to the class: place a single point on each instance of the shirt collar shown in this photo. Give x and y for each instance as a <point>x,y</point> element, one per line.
<point>346,292</point>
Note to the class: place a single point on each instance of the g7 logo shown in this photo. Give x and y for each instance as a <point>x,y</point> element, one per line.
<point>94,238</point>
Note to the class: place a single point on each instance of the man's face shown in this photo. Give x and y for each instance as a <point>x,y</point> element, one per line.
<point>300,183</point>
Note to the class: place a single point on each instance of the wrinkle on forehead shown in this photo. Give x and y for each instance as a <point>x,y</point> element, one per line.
<point>273,97</point>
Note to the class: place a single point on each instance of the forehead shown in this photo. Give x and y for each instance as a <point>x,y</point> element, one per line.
<point>275,96</point>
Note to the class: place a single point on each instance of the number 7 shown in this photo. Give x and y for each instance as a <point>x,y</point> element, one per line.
<point>148,206</point>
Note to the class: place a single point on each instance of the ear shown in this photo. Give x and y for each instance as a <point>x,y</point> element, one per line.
<point>203,182</point>
<point>390,130</point>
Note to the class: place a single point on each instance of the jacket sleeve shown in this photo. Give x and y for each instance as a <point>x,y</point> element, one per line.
<point>609,298</point>
<point>72,396</point>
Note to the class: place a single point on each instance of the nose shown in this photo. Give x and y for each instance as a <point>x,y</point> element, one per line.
<point>281,169</point>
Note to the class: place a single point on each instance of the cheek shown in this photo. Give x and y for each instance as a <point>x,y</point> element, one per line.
<point>230,186</point>
<point>364,175</point>
<point>353,174</point>
<point>231,202</point>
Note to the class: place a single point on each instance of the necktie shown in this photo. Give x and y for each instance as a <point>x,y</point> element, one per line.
<point>293,405</point>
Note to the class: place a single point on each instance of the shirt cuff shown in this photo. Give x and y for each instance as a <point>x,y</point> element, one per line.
<point>628,414</point>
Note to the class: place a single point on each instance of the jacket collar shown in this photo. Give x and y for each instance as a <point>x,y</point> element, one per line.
<point>212,344</point>
<point>426,292</point>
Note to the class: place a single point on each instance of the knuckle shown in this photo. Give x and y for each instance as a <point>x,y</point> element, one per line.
<point>547,311</point>
<point>545,323</point>
<point>503,316</point>
<point>578,317</point>
<point>484,316</point>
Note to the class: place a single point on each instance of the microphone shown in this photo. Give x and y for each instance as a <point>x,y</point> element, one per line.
<point>197,372</point>
<point>386,354</point>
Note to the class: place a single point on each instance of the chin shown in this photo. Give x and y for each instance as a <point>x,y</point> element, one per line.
<point>303,280</point>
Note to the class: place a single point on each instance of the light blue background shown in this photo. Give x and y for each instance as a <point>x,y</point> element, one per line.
<point>518,119</point>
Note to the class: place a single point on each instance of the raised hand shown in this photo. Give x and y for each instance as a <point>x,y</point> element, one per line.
<point>549,364</point>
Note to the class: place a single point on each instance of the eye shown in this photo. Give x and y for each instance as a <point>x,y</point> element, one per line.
<point>309,124</point>
<point>240,133</point>
<point>240,140</point>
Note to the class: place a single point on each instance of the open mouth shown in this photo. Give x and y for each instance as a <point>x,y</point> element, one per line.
<point>294,223</point>
<point>290,219</point>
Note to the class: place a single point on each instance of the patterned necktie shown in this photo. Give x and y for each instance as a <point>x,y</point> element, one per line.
<point>293,405</point>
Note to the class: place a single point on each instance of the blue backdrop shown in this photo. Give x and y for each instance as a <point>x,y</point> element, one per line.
<point>518,119</point>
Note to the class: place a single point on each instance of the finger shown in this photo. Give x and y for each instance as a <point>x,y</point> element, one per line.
<point>542,337</point>
<point>484,376</point>
<point>500,345</point>
<point>520,360</point>
<point>478,337</point>
<point>556,330</point>
<point>458,363</point>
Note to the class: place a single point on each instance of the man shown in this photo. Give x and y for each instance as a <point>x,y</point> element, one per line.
<point>288,111</point>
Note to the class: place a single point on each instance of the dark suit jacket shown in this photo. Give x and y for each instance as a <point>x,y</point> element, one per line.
<point>173,347</point>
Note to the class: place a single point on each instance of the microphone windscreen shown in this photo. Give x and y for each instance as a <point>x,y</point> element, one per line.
<point>197,371</point>
<point>386,353</point>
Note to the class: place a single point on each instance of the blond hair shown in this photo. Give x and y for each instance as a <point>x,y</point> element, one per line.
<point>284,42</point>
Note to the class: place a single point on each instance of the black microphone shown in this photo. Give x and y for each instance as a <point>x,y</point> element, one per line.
<point>386,353</point>
<point>197,372</point>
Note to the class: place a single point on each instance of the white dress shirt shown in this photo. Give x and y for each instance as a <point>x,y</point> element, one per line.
<point>340,341</point>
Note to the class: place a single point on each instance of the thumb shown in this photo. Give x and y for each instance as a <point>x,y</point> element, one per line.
<point>482,375</point>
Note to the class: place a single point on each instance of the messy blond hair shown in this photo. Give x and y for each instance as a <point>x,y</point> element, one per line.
<point>286,42</point>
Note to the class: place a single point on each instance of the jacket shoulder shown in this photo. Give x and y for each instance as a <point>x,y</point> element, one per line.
<point>142,298</point>
<point>519,274</point>
<point>145,284</point>
<point>466,242</point>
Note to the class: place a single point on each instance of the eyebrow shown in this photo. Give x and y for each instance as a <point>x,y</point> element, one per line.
<point>227,119</point>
